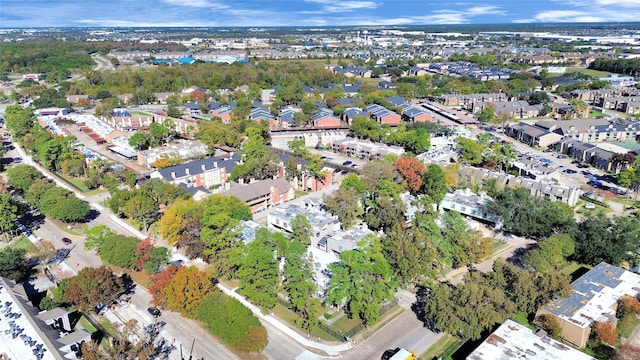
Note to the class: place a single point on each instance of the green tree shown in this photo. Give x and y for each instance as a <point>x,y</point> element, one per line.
<point>8,213</point>
<point>119,250</point>
<point>142,209</point>
<point>259,275</point>
<point>19,120</point>
<point>486,115</point>
<point>447,308</point>
<point>551,253</point>
<point>12,264</point>
<point>139,141</point>
<point>220,238</point>
<point>157,134</point>
<point>96,235</point>
<point>599,238</point>
<point>62,204</point>
<point>411,255</point>
<point>525,215</point>
<point>159,257</point>
<point>434,183</point>
<point>345,204</point>
<point>470,151</point>
<point>21,177</point>
<point>301,230</point>
<point>299,284</point>
<point>361,282</point>
<point>217,311</point>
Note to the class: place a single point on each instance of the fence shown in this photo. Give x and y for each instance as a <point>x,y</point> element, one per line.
<point>339,335</point>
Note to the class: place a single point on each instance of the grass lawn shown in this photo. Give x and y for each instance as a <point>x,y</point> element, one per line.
<point>597,208</point>
<point>569,268</point>
<point>137,112</point>
<point>439,347</point>
<point>627,325</point>
<point>345,324</point>
<point>521,318</point>
<point>21,243</point>
<point>87,325</point>
<point>387,318</point>
<point>140,277</point>
<point>590,72</point>
<point>290,317</point>
<point>80,185</point>
<point>73,228</point>
<point>108,327</point>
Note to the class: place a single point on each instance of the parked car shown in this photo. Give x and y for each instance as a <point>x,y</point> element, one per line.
<point>66,241</point>
<point>154,311</point>
<point>347,163</point>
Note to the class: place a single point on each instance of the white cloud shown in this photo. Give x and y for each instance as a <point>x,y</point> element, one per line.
<point>591,15</point>
<point>195,3</point>
<point>333,6</point>
<point>621,3</point>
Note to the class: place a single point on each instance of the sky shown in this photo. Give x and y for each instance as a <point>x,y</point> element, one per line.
<point>268,13</point>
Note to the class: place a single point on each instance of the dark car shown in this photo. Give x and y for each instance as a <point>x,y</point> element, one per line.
<point>388,354</point>
<point>66,241</point>
<point>347,163</point>
<point>154,311</point>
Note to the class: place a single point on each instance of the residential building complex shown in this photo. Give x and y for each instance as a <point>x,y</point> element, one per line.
<point>514,341</point>
<point>594,298</point>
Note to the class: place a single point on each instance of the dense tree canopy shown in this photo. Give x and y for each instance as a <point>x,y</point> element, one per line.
<point>600,238</point>
<point>21,177</point>
<point>482,301</point>
<point>12,263</point>
<point>361,282</point>
<point>526,215</point>
<point>186,290</point>
<point>259,275</point>
<point>92,287</point>
<point>119,250</point>
<point>232,322</point>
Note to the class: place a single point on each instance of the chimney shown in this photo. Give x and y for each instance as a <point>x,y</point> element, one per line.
<point>252,180</point>
<point>187,171</point>
<point>202,167</point>
<point>173,175</point>
<point>215,164</point>
<point>241,181</point>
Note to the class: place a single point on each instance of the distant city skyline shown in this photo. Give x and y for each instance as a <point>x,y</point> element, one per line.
<point>261,13</point>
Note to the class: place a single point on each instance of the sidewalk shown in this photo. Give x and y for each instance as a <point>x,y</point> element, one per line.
<point>331,350</point>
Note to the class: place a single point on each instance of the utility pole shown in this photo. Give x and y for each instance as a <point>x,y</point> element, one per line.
<point>190,352</point>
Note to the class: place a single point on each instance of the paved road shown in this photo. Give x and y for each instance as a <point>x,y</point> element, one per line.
<point>177,330</point>
<point>177,327</point>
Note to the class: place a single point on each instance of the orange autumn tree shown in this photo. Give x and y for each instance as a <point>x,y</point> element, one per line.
<point>143,253</point>
<point>605,332</point>
<point>411,170</point>
<point>160,281</point>
<point>186,290</point>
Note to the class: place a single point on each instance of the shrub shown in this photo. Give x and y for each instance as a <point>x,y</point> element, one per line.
<point>232,322</point>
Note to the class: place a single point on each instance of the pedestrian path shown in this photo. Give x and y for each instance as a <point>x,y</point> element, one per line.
<point>330,350</point>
